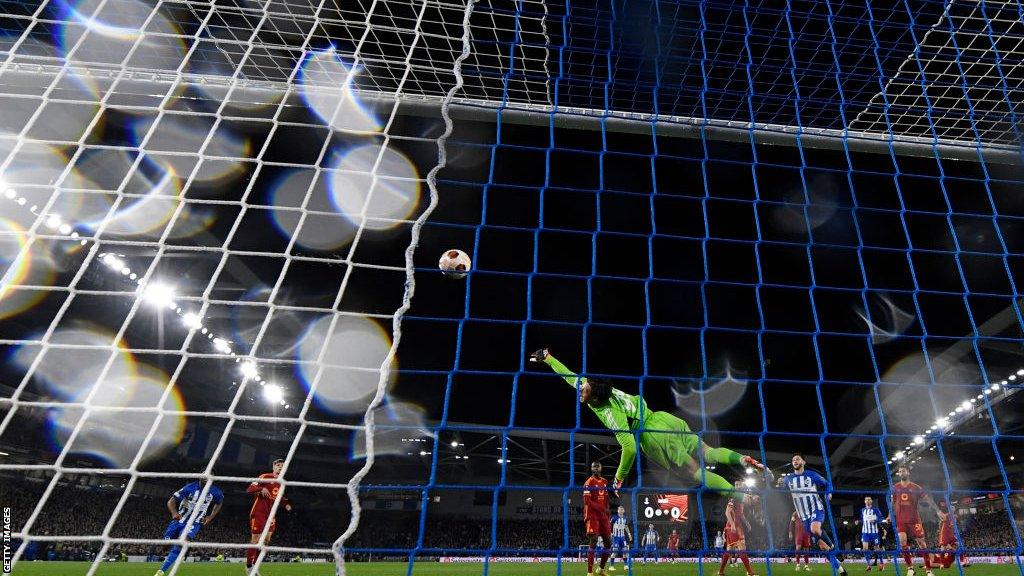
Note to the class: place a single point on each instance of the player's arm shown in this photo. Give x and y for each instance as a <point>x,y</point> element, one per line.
<point>820,482</point>
<point>213,513</point>
<point>562,370</point>
<point>730,513</point>
<point>172,506</point>
<point>257,487</point>
<point>930,502</point>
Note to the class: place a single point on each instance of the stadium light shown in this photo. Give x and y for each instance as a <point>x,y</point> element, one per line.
<point>748,482</point>
<point>160,295</point>
<point>966,405</point>
<point>455,444</point>
<point>1020,372</point>
<point>942,422</point>
<point>749,470</point>
<point>273,393</point>
<point>221,345</point>
<point>191,321</point>
<point>900,455</point>
<point>1012,457</point>
<point>918,440</point>
<point>248,370</point>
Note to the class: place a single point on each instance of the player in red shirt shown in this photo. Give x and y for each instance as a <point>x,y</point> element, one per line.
<point>905,498</point>
<point>596,517</point>
<point>736,526</point>
<point>801,540</point>
<point>264,493</point>
<point>673,545</point>
<point>947,537</point>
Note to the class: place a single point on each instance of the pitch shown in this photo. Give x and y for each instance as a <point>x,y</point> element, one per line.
<point>435,569</point>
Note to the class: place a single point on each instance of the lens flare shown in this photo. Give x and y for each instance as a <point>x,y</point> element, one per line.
<point>375,185</point>
<point>349,364</point>
<point>397,422</point>
<point>126,408</point>
<point>106,31</point>
<point>21,264</point>
<point>715,398</point>
<point>327,86</point>
<point>190,134</point>
<point>320,231</point>
<point>75,360</point>
<point>148,215</point>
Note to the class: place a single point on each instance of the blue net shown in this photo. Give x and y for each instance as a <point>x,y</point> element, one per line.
<point>791,225</point>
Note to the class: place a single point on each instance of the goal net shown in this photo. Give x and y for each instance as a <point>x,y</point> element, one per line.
<point>794,226</point>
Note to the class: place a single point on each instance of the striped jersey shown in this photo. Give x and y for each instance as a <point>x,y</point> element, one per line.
<point>619,524</point>
<point>869,519</point>
<point>804,489</point>
<point>188,500</point>
<point>650,537</point>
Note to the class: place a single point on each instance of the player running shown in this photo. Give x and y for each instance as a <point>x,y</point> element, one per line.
<point>803,485</point>
<point>905,498</point>
<point>664,438</point>
<point>264,495</point>
<point>651,539</point>
<point>947,538</point>
<point>595,516</point>
<point>736,526</point>
<point>620,537</point>
<point>185,506</point>
<point>870,522</point>
<point>801,541</point>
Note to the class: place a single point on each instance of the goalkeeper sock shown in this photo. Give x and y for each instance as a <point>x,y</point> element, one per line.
<point>722,456</point>
<point>713,481</point>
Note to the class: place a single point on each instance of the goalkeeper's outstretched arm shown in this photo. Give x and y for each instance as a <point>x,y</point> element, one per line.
<point>614,419</point>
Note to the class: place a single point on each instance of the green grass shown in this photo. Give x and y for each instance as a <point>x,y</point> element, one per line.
<point>436,569</point>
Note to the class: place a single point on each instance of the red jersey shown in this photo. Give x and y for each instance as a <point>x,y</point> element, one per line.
<point>905,497</point>
<point>261,504</point>
<point>673,541</point>
<point>595,497</point>
<point>946,535</point>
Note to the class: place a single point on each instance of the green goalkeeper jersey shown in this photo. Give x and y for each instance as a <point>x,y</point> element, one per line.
<point>664,438</point>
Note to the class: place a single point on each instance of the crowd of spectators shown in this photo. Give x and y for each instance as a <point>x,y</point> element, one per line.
<point>79,511</point>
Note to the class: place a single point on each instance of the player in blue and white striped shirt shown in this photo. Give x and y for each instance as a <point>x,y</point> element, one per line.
<point>620,536</point>
<point>804,486</point>
<point>651,539</point>
<point>870,518</point>
<point>187,507</point>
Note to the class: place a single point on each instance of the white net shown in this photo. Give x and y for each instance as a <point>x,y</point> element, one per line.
<point>964,82</point>
<point>173,176</point>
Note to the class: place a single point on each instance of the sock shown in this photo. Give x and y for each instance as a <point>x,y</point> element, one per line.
<point>171,557</point>
<point>963,558</point>
<point>604,559</point>
<point>807,560</point>
<point>927,560</point>
<point>722,456</point>
<point>590,560</point>
<point>908,560</point>
<point>725,562</point>
<point>746,562</point>
<point>713,481</point>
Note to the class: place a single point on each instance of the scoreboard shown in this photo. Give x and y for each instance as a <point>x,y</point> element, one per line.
<point>666,507</point>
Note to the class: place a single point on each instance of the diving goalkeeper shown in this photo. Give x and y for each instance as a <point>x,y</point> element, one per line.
<point>664,438</point>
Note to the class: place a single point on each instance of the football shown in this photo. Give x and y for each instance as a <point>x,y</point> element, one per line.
<point>454,263</point>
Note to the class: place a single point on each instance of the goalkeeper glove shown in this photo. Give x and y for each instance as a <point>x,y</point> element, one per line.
<point>616,485</point>
<point>539,356</point>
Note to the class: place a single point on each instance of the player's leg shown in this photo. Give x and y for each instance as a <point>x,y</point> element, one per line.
<point>725,559</point>
<point>172,532</point>
<point>922,545</point>
<point>904,543</point>
<point>591,548</point>
<point>865,545</point>
<point>606,537</point>
<point>836,560</point>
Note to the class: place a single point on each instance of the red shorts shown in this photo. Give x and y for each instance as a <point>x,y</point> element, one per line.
<point>673,550</point>
<point>912,528</point>
<point>733,536</point>
<point>947,538</point>
<point>257,523</point>
<point>803,540</point>
<point>599,525</point>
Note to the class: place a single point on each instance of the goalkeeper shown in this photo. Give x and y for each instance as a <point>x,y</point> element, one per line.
<point>664,438</point>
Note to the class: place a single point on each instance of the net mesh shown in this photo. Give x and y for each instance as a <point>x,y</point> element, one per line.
<point>176,175</point>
